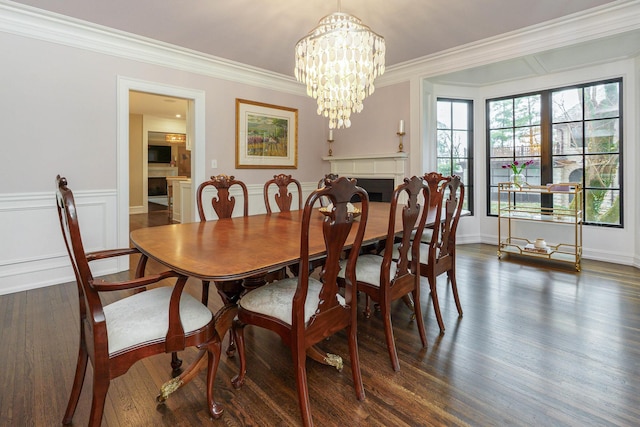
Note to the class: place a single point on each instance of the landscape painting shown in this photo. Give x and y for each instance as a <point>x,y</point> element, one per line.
<point>266,135</point>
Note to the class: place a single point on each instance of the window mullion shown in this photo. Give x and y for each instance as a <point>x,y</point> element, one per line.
<point>546,157</point>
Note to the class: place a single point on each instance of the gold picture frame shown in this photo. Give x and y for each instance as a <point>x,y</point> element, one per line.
<point>266,136</point>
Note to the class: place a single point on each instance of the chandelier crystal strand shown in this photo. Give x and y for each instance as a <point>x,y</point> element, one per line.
<point>338,62</point>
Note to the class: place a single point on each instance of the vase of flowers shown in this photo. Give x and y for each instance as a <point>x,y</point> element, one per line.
<point>517,177</point>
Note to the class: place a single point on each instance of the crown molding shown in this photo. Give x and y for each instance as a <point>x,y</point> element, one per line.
<point>27,21</point>
<point>604,21</point>
<point>607,20</point>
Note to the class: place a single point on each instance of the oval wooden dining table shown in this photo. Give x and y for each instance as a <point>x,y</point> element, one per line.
<point>242,247</point>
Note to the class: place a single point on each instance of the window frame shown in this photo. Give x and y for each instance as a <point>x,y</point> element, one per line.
<point>546,143</point>
<point>469,185</point>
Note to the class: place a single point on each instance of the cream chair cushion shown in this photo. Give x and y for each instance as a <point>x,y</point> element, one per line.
<point>368,269</point>
<point>426,235</point>
<point>144,317</point>
<point>424,253</point>
<point>276,299</point>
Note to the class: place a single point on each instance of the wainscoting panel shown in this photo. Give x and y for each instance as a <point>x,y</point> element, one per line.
<point>33,255</point>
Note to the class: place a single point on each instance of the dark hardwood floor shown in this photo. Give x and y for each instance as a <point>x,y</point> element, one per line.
<point>539,345</point>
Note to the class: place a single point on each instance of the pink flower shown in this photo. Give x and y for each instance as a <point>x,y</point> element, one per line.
<point>516,167</point>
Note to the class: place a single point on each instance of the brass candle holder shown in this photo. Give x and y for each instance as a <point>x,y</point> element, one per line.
<point>400,146</point>
<point>330,141</point>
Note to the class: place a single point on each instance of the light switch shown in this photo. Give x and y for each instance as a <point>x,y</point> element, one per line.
<point>214,164</point>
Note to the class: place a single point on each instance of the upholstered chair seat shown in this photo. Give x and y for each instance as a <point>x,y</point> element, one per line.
<point>424,253</point>
<point>276,300</point>
<point>426,235</point>
<point>368,269</point>
<point>144,317</point>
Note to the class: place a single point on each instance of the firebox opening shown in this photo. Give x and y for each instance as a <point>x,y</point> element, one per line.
<point>379,190</point>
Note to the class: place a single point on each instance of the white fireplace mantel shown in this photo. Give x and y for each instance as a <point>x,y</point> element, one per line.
<point>394,166</point>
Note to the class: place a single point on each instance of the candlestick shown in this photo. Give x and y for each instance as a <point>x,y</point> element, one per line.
<point>401,127</point>
<point>330,141</point>
<point>400,146</point>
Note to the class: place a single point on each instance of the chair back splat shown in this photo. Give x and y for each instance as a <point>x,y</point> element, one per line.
<point>304,310</point>
<point>439,253</point>
<point>283,198</point>
<point>330,176</point>
<point>223,203</point>
<point>434,180</point>
<point>115,336</point>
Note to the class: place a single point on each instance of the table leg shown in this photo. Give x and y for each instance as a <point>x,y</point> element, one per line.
<point>254,282</point>
<point>224,318</point>
<point>230,292</point>
<point>175,383</point>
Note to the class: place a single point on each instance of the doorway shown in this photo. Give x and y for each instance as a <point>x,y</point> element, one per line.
<point>158,148</point>
<point>194,129</point>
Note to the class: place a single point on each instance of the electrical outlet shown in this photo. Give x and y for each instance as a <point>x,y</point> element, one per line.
<point>214,164</point>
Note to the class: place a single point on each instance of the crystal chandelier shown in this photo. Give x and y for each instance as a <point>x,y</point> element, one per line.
<point>338,61</point>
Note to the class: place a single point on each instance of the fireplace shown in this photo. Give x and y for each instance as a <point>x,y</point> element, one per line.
<point>379,174</point>
<point>379,189</point>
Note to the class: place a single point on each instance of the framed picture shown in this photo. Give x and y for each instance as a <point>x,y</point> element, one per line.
<point>266,136</point>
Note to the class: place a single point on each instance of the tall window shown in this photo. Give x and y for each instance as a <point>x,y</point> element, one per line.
<point>455,142</point>
<point>571,134</point>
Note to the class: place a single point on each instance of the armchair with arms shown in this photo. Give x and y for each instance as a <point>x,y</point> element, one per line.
<point>115,336</point>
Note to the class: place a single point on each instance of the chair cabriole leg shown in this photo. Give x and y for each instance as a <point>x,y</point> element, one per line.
<point>78,380</point>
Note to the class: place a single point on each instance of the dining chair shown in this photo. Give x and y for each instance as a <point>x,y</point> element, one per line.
<point>115,336</point>
<point>438,255</point>
<point>223,204</point>
<point>282,198</point>
<point>387,277</point>
<point>330,176</point>
<point>434,180</point>
<point>303,310</point>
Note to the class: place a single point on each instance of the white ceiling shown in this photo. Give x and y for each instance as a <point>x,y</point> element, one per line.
<point>263,33</point>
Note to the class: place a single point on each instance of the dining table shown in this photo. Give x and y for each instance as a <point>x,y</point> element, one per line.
<point>246,246</point>
<point>242,250</point>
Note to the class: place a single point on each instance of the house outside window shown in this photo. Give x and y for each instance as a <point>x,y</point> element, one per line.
<point>454,155</point>
<point>570,134</point>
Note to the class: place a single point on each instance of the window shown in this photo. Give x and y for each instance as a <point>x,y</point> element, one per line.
<point>455,143</point>
<point>571,134</point>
